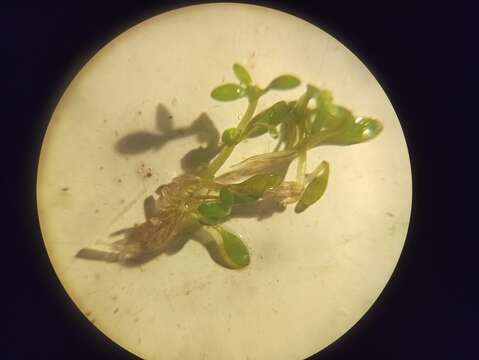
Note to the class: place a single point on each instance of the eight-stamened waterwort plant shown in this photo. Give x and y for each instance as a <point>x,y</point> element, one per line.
<point>202,202</point>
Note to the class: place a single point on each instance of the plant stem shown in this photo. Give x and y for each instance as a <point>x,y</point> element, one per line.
<point>248,115</point>
<point>219,160</point>
<point>301,169</point>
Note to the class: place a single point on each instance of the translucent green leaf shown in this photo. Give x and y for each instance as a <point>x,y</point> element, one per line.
<point>272,116</point>
<point>315,189</point>
<point>234,255</point>
<point>324,99</point>
<point>370,128</point>
<point>344,117</point>
<point>228,92</point>
<point>231,136</point>
<point>242,74</point>
<point>324,110</point>
<point>229,197</point>
<point>284,82</point>
<point>338,117</point>
<point>256,185</point>
<point>357,131</point>
<point>234,250</point>
<point>226,196</point>
<point>213,212</point>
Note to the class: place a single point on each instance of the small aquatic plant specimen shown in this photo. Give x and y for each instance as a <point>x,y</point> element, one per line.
<point>202,202</point>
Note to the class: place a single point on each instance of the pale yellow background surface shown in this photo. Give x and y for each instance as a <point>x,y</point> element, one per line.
<point>312,276</point>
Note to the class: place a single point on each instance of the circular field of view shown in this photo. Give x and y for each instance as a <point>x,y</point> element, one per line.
<point>140,113</point>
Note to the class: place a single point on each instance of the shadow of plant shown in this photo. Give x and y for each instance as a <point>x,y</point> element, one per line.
<point>202,128</point>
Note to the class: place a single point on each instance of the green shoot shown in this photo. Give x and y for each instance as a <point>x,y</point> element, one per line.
<point>205,200</point>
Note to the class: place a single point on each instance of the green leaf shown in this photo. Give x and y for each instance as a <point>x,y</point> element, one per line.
<point>338,116</point>
<point>344,117</point>
<point>242,74</point>
<point>233,249</point>
<point>231,136</point>
<point>341,127</point>
<point>272,116</point>
<point>228,92</point>
<point>356,131</point>
<point>315,189</point>
<point>213,212</point>
<point>227,197</point>
<point>256,185</point>
<point>324,99</point>
<point>324,110</point>
<point>284,82</point>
